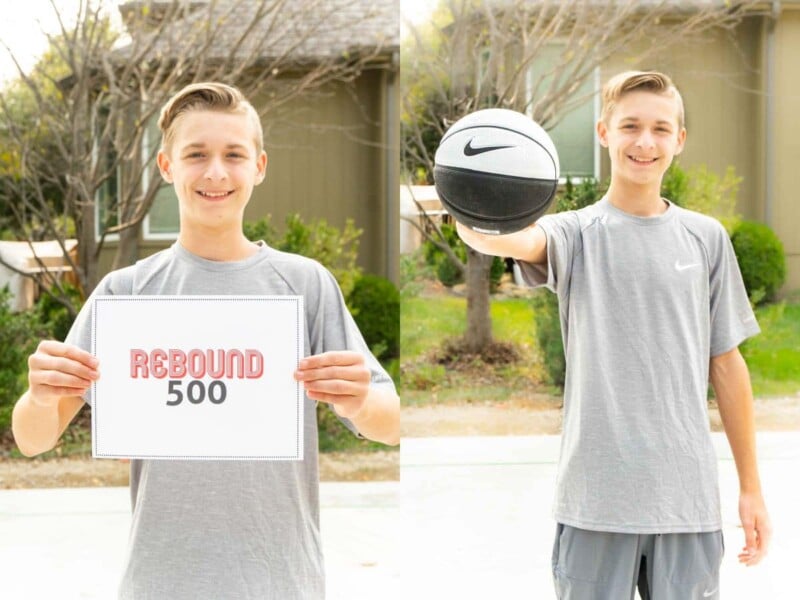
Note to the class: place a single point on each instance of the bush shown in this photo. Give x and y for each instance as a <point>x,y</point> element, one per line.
<point>19,335</point>
<point>675,185</point>
<point>574,197</point>
<point>496,273</point>
<point>703,191</point>
<point>548,336</point>
<point>336,249</point>
<point>413,270</point>
<point>449,273</point>
<point>761,260</point>
<point>55,316</point>
<point>376,307</point>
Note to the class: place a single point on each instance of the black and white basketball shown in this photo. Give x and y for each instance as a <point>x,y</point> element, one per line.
<point>496,171</point>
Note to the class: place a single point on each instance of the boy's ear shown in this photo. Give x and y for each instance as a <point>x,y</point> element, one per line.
<point>261,167</point>
<point>681,141</point>
<point>164,166</point>
<point>602,133</point>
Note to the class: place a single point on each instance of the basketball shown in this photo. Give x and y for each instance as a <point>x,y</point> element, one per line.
<point>496,171</point>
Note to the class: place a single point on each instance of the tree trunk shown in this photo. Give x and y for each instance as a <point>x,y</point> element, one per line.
<point>87,244</point>
<point>479,320</point>
<point>128,248</point>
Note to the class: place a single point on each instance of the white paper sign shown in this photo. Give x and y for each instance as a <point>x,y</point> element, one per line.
<point>198,377</point>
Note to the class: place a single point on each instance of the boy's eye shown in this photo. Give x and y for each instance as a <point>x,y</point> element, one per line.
<point>235,155</point>
<point>194,155</point>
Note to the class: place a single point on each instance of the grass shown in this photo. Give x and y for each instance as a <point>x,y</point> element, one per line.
<point>426,322</point>
<point>773,356</point>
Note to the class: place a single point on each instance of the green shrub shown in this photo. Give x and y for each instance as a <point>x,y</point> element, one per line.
<point>574,197</point>
<point>548,336</point>
<point>376,304</point>
<point>446,271</point>
<point>19,335</point>
<point>703,191</point>
<point>413,270</point>
<point>55,316</point>
<point>761,260</point>
<point>496,273</point>
<point>675,185</point>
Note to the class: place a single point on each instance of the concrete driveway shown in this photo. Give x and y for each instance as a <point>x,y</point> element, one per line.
<point>473,522</point>
<point>477,524</point>
<point>70,543</point>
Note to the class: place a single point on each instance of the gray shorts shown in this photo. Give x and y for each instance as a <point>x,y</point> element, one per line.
<point>597,565</point>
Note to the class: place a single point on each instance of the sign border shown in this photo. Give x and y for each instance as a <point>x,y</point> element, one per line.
<point>299,395</point>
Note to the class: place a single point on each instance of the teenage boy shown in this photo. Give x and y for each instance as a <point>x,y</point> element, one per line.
<point>221,529</point>
<point>651,303</point>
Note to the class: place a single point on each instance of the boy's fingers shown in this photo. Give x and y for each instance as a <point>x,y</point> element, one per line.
<point>57,379</point>
<point>55,348</point>
<point>335,387</point>
<point>327,359</point>
<point>750,540</point>
<point>63,365</point>
<point>349,373</point>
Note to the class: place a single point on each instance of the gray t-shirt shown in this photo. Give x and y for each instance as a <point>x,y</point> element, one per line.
<point>644,303</point>
<point>232,529</point>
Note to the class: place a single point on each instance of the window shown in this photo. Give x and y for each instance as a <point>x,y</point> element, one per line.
<point>162,222</point>
<point>574,135</point>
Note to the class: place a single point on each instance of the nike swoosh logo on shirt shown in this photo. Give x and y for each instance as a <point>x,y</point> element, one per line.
<point>711,593</point>
<point>680,267</point>
<point>469,150</point>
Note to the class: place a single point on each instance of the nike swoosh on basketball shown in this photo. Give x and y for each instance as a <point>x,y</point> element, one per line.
<point>680,267</point>
<point>470,150</point>
<point>711,593</point>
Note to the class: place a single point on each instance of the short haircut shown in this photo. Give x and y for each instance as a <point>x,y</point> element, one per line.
<point>207,96</point>
<point>634,81</point>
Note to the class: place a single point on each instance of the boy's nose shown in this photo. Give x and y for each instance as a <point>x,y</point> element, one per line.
<point>216,170</point>
<point>645,140</point>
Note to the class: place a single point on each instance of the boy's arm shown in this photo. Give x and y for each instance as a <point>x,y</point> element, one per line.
<point>342,379</point>
<point>58,375</point>
<point>731,381</point>
<point>528,245</point>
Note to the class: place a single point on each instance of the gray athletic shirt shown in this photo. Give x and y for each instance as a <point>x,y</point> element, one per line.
<point>232,529</point>
<point>644,303</point>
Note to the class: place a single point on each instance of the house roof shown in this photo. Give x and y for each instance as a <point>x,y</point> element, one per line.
<point>303,30</point>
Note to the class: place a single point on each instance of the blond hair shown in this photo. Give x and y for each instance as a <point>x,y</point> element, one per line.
<point>632,81</point>
<point>207,96</point>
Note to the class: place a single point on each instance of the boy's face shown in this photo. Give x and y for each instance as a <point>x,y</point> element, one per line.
<point>642,137</point>
<point>213,164</point>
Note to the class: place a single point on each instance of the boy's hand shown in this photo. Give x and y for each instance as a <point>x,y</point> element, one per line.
<point>57,369</point>
<point>338,378</point>
<point>757,528</point>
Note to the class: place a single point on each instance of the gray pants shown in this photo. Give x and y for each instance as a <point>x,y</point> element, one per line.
<point>597,565</point>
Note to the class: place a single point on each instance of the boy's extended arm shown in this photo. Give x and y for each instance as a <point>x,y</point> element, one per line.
<point>342,379</point>
<point>529,245</point>
<point>731,381</point>
<point>58,375</point>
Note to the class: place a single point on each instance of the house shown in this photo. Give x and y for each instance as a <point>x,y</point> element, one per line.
<point>21,260</point>
<point>333,153</point>
<point>741,91</point>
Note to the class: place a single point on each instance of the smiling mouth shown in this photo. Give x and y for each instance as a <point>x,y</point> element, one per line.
<point>642,161</point>
<point>215,195</point>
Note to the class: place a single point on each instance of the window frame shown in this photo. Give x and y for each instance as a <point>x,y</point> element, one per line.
<point>596,154</point>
